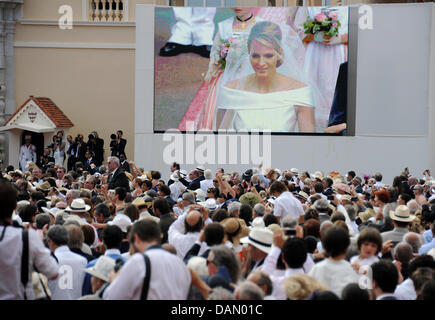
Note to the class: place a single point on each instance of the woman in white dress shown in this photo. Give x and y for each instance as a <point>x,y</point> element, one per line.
<point>274,95</point>
<point>323,58</point>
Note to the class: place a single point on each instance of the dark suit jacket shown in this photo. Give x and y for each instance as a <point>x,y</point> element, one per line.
<point>99,151</point>
<point>83,254</point>
<point>119,179</point>
<point>125,166</point>
<point>328,192</point>
<point>170,201</point>
<point>87,166</point>
<point>196,184</point>
<point>121,147</point>
<point>193,252</point>
<point>165,222</point>
<point>358,189</point>
<point>338,113</point>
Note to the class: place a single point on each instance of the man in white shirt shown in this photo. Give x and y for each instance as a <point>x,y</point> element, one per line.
<point>170,279</point>
<point>68,286</point>
<point>294,255</point>
<point>335,272</point>
<point>184,231</point>
<point>208,181</point>
<point>27,153</point>
<point>11,249</point>
<point>285,202</point>
<point>176,187</point>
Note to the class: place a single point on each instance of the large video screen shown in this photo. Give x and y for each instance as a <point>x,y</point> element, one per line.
<point>280,70</point>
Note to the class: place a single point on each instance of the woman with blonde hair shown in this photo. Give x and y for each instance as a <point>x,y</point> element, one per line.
<point>301,286</point>
<point>271,92</point>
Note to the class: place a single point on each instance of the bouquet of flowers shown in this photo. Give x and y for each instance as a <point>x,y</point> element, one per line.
<point>323,24</point>
<point>223,52</point>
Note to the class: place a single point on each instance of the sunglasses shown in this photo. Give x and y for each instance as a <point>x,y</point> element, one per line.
<point>208,262</point>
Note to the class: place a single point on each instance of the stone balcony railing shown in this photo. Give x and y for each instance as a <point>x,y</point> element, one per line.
<point>107,10</point>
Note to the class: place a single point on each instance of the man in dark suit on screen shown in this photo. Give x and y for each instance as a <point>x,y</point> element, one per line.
<point>338,113</point>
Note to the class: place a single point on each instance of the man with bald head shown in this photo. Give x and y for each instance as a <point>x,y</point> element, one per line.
<point>414,240</point>
<point>184,231</point>
<point>403,254</point>
<point>263,281</point>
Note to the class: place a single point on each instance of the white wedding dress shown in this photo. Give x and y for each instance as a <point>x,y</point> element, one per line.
<point>273,111</point>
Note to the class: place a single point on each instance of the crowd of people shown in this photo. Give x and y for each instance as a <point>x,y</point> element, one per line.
<point>114,231</point>
<point>71,151</point>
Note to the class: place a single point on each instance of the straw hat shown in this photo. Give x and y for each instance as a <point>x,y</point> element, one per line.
<point>402,214</point>
<point>44,186</point>
<point>235,229</point>
<point>139,202</point>
<point>129,176</point>
<point>343,187</point>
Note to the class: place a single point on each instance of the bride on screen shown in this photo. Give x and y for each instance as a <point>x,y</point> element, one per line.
<point>270,92</point>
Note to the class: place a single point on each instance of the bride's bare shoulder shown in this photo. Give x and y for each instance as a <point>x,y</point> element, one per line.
<point>287,83</point>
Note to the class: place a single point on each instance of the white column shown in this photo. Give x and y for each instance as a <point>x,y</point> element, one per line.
<point>10,12</point>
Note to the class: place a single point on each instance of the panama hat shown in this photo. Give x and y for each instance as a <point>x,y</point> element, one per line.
<point>211,204</point>
<point>78,205</point>
<point>261,238</point>
<point>401,214</point>
<point>235,229</point>
<point>140,202</point>
<point>303,195</point>
<point>122,221</point>
<point>200,168</point>
<point>102,268</point>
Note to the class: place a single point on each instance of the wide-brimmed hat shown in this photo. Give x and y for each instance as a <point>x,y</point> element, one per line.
<point>200,195</point>
<point>302,195</point>
<point>294,170</point>
<point>51,211</point>
<point>317,174</point>
<point>247,175</point>
<point>102,268</point>
<point>210,204</point>
<point>78,205</point>
<point>139,202</point>
<point>174,177</point>
<point>122,221</point>
<point>261,238</point>
<point>200,168</point>
<point>235,229</point>
<point>44,186</point>
<point>129,175</point>
<point>343,187</point>
<point>402,214</point>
